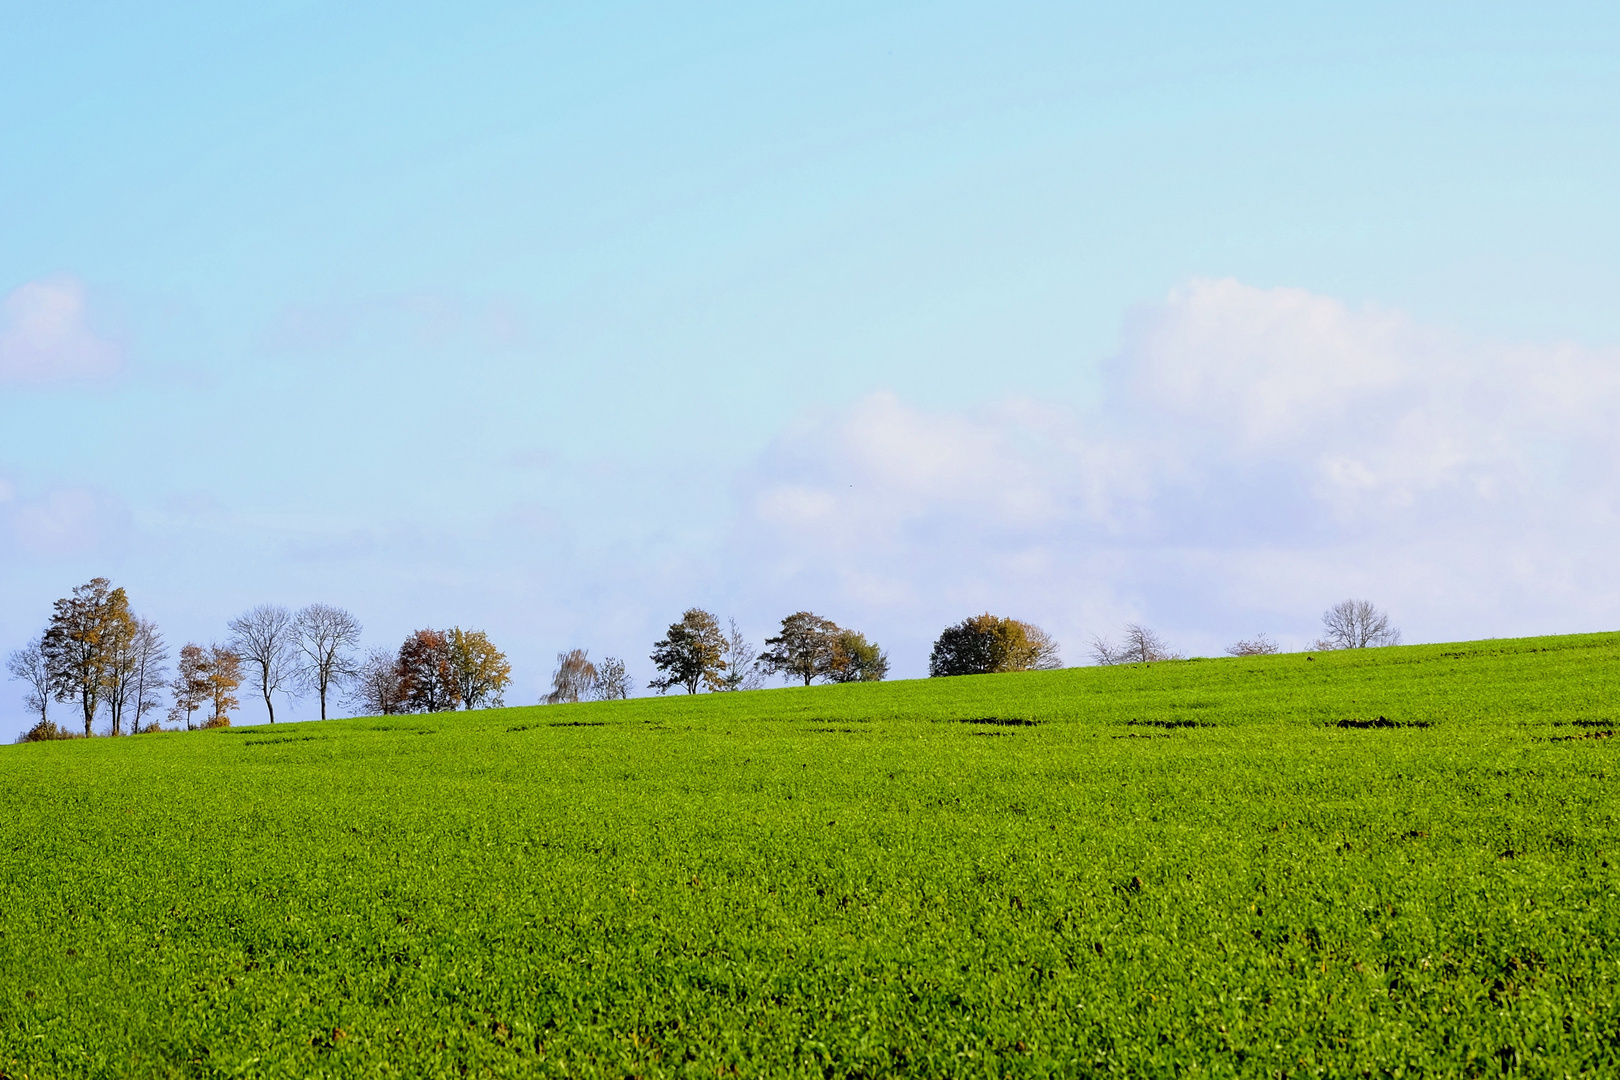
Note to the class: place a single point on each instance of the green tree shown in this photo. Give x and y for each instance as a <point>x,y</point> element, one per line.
<point>857,660</point>
<point>691,654</point>
<point>80,645</point>
<point>989,643</point>
<point>805,649</point>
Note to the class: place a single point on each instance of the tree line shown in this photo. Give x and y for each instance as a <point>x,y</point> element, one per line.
<point>697,654</point>
<point>97,655</point>
<point>103,660</point>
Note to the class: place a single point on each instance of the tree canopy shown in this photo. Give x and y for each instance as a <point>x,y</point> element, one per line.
<point>989,643</point>
<point>691,654</point>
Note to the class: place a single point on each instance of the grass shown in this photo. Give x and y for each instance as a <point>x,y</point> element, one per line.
<point>1191,869</point>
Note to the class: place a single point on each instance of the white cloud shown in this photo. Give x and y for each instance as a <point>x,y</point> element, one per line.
<point>64,521</point>
<point>1258,454</point>
<point>45,335</point>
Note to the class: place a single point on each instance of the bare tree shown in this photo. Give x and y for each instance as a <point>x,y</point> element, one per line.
<point>743,671</point>
<point>1259,645</point>
<point>136,674</point>
<point>326,638</point>
<point>1043,650</point>
<point>264,639</point>
<point>573,679</point>
<point>376,688</point>
<point>1140,646</point>
<point>1356,624</point>
<point>28,664</point>
<point>613,682</point>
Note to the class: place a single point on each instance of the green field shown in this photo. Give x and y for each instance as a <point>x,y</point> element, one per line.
<point>1183,869</point>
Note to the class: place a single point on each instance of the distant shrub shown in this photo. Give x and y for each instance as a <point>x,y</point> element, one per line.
<point>1141,646</point>
<point>217,722</point>
<point>1259,645</point>
<point>45,731</point>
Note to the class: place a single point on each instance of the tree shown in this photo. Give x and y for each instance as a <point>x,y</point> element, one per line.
<point>264,639</point>
<point>480,670</point>
<point>804,649</point>
<point>857,660</point>
<point>376,688</point>
<point>426,673</point>
<point>135,674</point>
<point>743,669</point>
<point>224,675</point>
<point>612,680</point>
<point>78,645</point>
<point>118,673</point>
<point>1141,646</point>
<point>573,679</point>
<point>691,654</point>
<point>1356,624</point>
<point>325,638</point>
<point>1259,645</point>
<point>190,688</point>
<point>28,665</point>
<point>990,643</point>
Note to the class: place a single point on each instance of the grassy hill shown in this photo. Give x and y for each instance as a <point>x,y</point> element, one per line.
<point>1392,862</point>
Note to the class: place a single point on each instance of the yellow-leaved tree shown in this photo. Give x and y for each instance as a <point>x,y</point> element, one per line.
<point>480,670</point>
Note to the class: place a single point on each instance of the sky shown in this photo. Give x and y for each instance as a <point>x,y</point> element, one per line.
<point>554,320</point>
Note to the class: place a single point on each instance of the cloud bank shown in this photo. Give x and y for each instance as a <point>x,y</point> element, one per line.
<point>46,337</point>
<point>1257,454</point>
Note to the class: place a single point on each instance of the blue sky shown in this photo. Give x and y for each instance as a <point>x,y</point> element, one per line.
<point>555,320</point>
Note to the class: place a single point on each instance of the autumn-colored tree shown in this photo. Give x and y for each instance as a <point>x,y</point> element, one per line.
<point>573,679</point>
<point>264,639</point>
<point>28,665</point>
<point>190,688</point>
<point>855,659</point>
<point>427,674</point>
<point>805,649</point>
<point>989,643</point>
<point>325,638</point>
<point>480,670</point>
<point>224,674</point>
<point>80,643</point>
<point>691,654</point>
<point>376,688</point>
